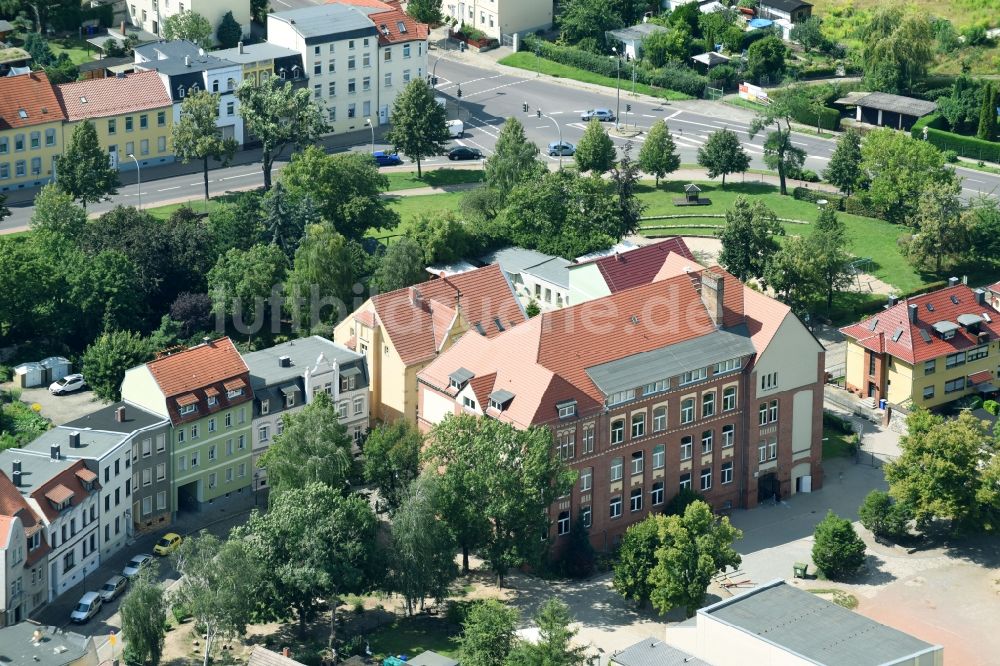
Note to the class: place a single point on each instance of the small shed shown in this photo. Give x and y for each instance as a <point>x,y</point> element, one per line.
<point>710,59</point>
<point>56,367</point>
<point>632,37</point>
<point>430,658</point>
<point>692,192</point>
<point>885,110</point>
<point>29,375</point>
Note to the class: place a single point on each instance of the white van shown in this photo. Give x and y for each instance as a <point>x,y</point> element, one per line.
<point>456,129</point>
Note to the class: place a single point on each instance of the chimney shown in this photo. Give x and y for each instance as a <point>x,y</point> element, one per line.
<point>201,51</point>
<point>122,27</point>
<point>912,312</point>
<point>54,452</point>
<point>618,256</point>
<point>120,414</point>
<point>187,61</point>
<point>712,293</point>
<point>207,340</point>
<point>16,476</point>
<point>284,362</point>
<point>17,465</point>
<point>980,296</point>
<point>239,45</point>
<point>952,281</point>
<point>286,653</point>
<point>892,300</point>
<point>74,440</point>
<point>414,297</point>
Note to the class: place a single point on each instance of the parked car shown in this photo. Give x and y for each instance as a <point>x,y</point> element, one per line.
<point>86,608</point>
<point>564,148</point>
<point>464,153</point>
<point>604,115</point>
<point>67,384</point>
<point>113,587</point>
<point>170,542</point>
<point>135,564</point>
<point>383,158</point>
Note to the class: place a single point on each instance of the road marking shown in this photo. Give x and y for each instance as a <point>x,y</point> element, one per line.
<point>646,115</point>
<point>541,126</point>
<point>503,85</point>
<point>167,189</point>
<point>239,175</point>
<point>675,114</point>
<point>555,113</point>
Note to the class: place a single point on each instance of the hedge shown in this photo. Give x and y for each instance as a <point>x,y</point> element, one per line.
<point>966,146</point>
<point>858,204</point>
<point>673,77</point>
<point>829,118</point>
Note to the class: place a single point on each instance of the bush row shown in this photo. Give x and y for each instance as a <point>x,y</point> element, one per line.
<point>858,204</point>
<point>673,77</point>
<point>829,118</point>
<point>966,146</point>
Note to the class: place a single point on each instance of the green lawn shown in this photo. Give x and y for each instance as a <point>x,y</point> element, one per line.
<point>835,444</point>
<point>198,205</point>
<point>407,180</point>
<point>408,207</point>
<point>412,636</point>
<point>76,49</point>
<point>533,63</point>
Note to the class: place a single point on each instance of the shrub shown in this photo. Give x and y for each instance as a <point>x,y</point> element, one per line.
<point>992,406</point>
<point>882,516</point>
<point>837,549</point>
<point>837,422</point>
<point>950,156</point>
<point>834,201</point>
<point>680,502</point>
<point>809,176</point>
<point>180,612</point>
<point>6,373</point>
<point>966,146</point>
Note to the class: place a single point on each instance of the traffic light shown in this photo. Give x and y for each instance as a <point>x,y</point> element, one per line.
<point>538,113</point>
<point>459,92</point>
<point>524,106</point>
<point>435,80</point>
<point>628,108</point>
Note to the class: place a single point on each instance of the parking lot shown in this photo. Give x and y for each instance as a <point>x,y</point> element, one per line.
<point>59,408</point>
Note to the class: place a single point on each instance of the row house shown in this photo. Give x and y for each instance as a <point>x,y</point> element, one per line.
<point>497,18</point>
<point>31,131</point>
<point>400,332</point>
<point>357,58</point>
<point>673,384</point>
<point>287,377</point>
<point>24,547</point>
<point>150,15</point>
<point>927,350</point>
<point>204,391</point>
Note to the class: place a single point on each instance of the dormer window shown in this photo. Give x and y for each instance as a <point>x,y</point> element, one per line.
<point>500,399</point>
<point>265,406</point>
<point>621,396</point>
<point>234,393</point>
<point>458,379</point>
<point>188,409</point>
<point>566,409</point>
<point>946,329</point>
<point>212,401</point>
<point>187,404</point>
<point>234,388</point>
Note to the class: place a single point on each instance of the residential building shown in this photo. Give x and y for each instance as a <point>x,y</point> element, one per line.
<point>205,393</point>
<point>689,381</point>
<point>400,332</point>
<point>24,549</point>
<point>31,134</point>
<point>38,645</point>
<point>777,624</point>
<point>131,113</point>
<point>499,18</point>
<point>792,11</point>
<point>150,15</point>
<point>185,68</point>
<point>535,276</point>
<point>145,458</point>
<point>357,57</point>
<point>64,495</point>
<point>287,377</point>
<point>609,273</point>
<point>926,350</point>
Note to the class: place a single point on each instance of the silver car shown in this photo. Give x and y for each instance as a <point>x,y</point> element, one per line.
<point>112,588</point>
<point>565,148</point>
<point>135,564</point>
<point>604,115</point>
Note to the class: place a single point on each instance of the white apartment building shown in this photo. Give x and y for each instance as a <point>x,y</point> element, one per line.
<point>286,377</point>
<point>150,14</point>
<point>357,58</point>
<point>500,17</point>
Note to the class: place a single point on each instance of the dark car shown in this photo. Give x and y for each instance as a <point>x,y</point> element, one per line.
<point>464,153</point>
<point>383,158</point>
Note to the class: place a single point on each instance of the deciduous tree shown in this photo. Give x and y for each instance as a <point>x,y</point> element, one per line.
<point>83,171</point>
<point>722,155</point>
<point>402,265</point>
<point>442,235</point>
<point>624,178</point>
<point>658,154</point>
<point>828,244</point>
<point>809,33</point>
<point>766,57</point>
<point>425,11</point>
<point>882,516</point>
<point>636,559</point>
<point>595,152</point>
<point>108,357</point>
<point>585,22</point>
<point>143,614</point>
<point>898,47</point>
<point>197,137</point>
<point>392,461</point>
<point>780,152</point>
<point>241,282</point>
<point>319,284</point>
<point>844,169</point>
<point>793,273</point>
<point>188,25</point>
<point>942,230</point>
<point>555,640</point>
<point>513,162</point>
<point>488,634</point>
<point>419,126</point>
<point>749,239</point>
<point>837,549</point>
<point>229,32</point>
<point>57,224</point>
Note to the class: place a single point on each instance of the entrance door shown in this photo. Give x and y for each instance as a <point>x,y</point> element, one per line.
<point>383,114</point>
<point>113,156</point>
<point>768,488</point>
<point>871,389</point>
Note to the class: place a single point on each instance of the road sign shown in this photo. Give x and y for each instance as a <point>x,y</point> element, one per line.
<point>112,638</point>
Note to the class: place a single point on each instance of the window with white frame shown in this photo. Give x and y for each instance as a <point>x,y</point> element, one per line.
<point>772,449</point>
<point>147,477</point>
<point>659,456</point>
<point>615,507</point>
<point>685,483</point>
<point>586,516</point>
<point>342,408</point>
<point>621,396</point>
<point>635,500</point>
<point>618,431</point>
<point>616,469</point>
<point>708,405</point>
<point>656,494</point>
<point>706,479</point>
<point>773,411</point>
<point>212,452</point>
<point>693,376</point>
<point>729,398</point>
<point>161,471</point>
<point>468,402</point>
<point>359,406</point>
<point>727,473</point>
<point>147,506</point>
<point>263,433</point>
<point>588,438</point>
<point>406,50</point>
<point>655,387</point>
<point>727,366</point>
<point>762,414</point>
<point>687,410</point>
<point>637,463</point>
<point>161,500</point>
<point>147,447</point>
<point>566,444</point>
<point>562,525</point>
<point>194,431</point>
<point>762,452</point>
<point>638,425</point>
<point>687,447</point>
<point>586,479</point>
<point>212,480</point>
<point>659,418</point>
<point>728,432</point>
<point>388,79</point>
<point>706,441</point>
<point>566,409</point>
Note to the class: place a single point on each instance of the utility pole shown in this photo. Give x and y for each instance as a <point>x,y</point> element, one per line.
<point>618,84</point>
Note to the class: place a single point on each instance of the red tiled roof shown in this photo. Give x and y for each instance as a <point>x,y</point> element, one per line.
<point>113,95</point>
<point>366,317</point>
<point>388,24</point>
<point>482,387</point>
<point>86,475</point>
<point>13,504</point>
<point>890,331</point>
<point>59,494</point>
<point>211,391</point>
<point>377,4</point>
<point>981,377</point>
<point>188,399</point>
<point>31,93</point>
<point>995,287</point>
<point>197,367</point>
<point>412,318</point>
<point>65,485</point>
<point>234,384</point>
<point>639,266</point>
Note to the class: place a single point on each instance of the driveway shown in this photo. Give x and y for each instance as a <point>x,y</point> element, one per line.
<point>60,409</point>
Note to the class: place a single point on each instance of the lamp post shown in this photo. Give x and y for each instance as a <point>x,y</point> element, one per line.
<point>618,84</point>
<point>542,115</point>
<point>138,178</point>
<point>434,79</point>
<point>368,121</point>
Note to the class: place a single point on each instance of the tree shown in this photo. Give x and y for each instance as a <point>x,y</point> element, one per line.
<point>722,155</point>
<point>258,10</point>
<point>897,49</point>
<point>241,282</point>
<point>577,558</point>
<point>596,151</point>
<point>714,25</point>
<point>41,10</point>
<point>749,239</point>
<point>766,57</point>
<point>83,171</point>
<point>793,274</point>
<point>108,357</point>
<point>347,188</point>
<point>425,11</point>
<point>442,235</point>
<point>636,559</point>
<point>102,289</point>
<point>941,474</point>
<point>488,634</point>
<point>658,154</point>
<point>625,177</point>
<point>497,485</point>
<point>943,232</point>
<point>314,543</point>
<point>143,615</point>
<point>278,115</point>
<point>220,584</point>
<point>321,276</point>
<point>192,312</point>
<point>555,640</point>
<point>827,245</point>
<point>899,168</point>
<point>188,25</point>
<point>392,461</point>
<point>987,130</point>
<point>197,137</point>
<point>837,549</point>
<point>693,548</point>
<point>809,33</point>
<point>419,127</point>
<point>423,548</point>
<point>284,220</point>
<point>513,162</point>
<point>963,107</point>
<point>686,17</point>
<point>313,447</point>
<point>57,224</point>
<point>402,265</point>
<point>780,152</point>
<point>585,22</point>
<point>983,220</point>
<point>229,32</point>
<point>673,45</point>
<point>882,516</point>
<point>844,168</point>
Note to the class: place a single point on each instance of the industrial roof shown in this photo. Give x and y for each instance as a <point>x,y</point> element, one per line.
<point>815,629</point>
<point>908,106</point>
<point>56,647</point>
<point>636,33</point>
<point>136,418</point>
<point>325,20</point>
<point>93,443</point>
<point>169,58</point>
<point>303,353</point>
<point>517,260</point>
<point>653,652</point>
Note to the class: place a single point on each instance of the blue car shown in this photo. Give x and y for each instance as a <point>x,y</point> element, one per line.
<point>383,158</point>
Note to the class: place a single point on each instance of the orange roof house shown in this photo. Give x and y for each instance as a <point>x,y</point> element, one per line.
<point>27,100</point>
<point>113,96</point>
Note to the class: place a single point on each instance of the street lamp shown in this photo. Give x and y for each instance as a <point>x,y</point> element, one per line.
<point>542,115</point>
<point>368,121</point>
<point>618,84</point>
<point>434,79</point>
<point>138,178</point>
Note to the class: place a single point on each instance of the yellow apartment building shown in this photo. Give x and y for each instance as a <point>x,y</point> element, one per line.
<point>927,350</point>
<point>31,138</point>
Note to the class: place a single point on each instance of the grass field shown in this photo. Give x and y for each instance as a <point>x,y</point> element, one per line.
<point>414,635</point>
<point>531,62</point>
<point>198,205</point>
<point>407,180</point>
<point>76,49</point>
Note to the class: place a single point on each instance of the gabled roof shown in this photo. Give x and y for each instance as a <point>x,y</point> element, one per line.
<point>14,505</point>
<point>261,656</point>
<point>113,95</point>
<point>197,367</point>
<point>639,266</point>
<point>65,485</point>
<point>890,331</point>
<point>396,27</point>
<point>908,106</point>
<point>654,652</point>
<point>415,318</point>
<point>28,99</point>
<point>6,526</point>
